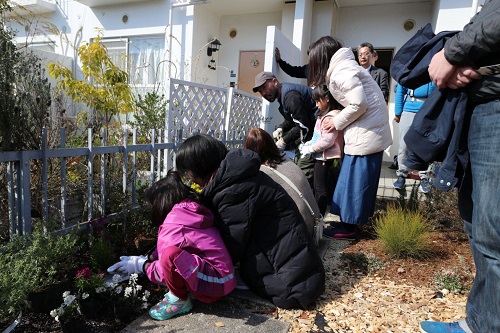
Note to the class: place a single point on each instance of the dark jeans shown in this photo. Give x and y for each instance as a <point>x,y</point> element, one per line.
<point>483,303</point>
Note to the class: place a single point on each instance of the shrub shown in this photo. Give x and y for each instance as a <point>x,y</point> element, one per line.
<point>450,280</point>
<point>403,233</point>
<point>32,263</point>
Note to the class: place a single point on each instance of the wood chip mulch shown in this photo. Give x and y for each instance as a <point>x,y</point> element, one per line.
<point>355,302</point>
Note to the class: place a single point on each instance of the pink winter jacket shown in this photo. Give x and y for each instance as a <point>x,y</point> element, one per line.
<point>205,263</point>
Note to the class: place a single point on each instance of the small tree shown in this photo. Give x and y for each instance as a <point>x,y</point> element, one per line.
<point>104,89</point>
<point>150,113</point>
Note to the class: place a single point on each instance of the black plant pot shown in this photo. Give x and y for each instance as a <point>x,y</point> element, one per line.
<point>47,299</point>
<point>96,308</point>
<point>124,312</point>
<point>73,326</point>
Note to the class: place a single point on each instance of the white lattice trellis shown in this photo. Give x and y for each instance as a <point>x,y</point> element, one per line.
<point>226,114</point>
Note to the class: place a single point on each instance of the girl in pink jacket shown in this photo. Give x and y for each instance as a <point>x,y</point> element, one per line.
<point>190,256</point>
<point>325,146</point>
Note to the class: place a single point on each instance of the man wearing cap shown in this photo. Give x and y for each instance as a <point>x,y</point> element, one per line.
<point>299,110</point>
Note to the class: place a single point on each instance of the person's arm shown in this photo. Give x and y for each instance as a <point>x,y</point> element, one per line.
<point>293,71</point>
<point>454,66</point>
<point>327,138</point>
<point>293,103</point>
<point>356,101</point>
<point>399,100</point>
<point>384,84</point>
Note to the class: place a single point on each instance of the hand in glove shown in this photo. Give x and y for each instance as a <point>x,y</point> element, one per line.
<point>306,149</point>
<point>281,144</point>
<point>278,133</point>
<point>128,265</point>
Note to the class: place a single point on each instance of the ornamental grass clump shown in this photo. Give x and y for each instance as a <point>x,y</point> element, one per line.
<point>403,233</point>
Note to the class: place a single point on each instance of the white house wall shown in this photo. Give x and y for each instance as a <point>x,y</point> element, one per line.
<point>251,36</point>
<point>206,28</point>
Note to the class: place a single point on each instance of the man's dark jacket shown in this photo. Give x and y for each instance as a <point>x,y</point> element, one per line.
<point>382,78</point>
<point>300,72</point>
<point>264,231</point>
<point>299,111</point>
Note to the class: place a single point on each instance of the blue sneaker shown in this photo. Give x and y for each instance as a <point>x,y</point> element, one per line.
<point>440,327</point>
<point>424,186</point>
<point>399,184</point>
<point>169,307</point>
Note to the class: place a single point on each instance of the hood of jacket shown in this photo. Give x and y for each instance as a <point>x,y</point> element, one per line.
<point>238,164</point>
<point>190,214</point>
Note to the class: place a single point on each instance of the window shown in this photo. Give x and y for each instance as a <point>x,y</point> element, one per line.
<point>141,57</point>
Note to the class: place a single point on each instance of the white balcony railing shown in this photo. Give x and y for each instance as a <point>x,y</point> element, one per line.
<point>98,3</point>
<point>34,7</point>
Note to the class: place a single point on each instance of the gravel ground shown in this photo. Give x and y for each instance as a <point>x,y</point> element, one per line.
<point>356,302</point>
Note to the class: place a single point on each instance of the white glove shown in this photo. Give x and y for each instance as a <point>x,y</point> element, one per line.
<point>306,149</point>
<point>281,144</point>
<point>278,133</point>
<point>128,265</point>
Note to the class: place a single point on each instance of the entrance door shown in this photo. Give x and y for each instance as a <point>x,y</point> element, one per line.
<point>251,63</point>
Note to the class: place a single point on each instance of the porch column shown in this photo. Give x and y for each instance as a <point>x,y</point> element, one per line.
<point>302,27</point>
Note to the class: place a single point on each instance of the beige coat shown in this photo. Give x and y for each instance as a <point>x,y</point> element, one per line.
<point>365,117</point>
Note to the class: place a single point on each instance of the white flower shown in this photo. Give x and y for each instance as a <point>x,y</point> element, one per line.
<point>146,293</point>
<point>66,294</point>
<point>138,287</point>
<point>100,290</point>
<point>133,278</point>
<point>116,278</point>
<point>118,290</point>
<point>128,292</point>
<point>85,295</point>
<point>56,318</point>
<point>53,313</point>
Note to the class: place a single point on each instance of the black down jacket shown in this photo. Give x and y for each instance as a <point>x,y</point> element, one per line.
<point>264,231</point>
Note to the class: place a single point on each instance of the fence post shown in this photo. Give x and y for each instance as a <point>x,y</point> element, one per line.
<point>25,187</point>
<point>45,204</point>
<point>90,163</point>
<point>11,194</point>
<point>230,96</point>
<point>124,170</point>
<point>63,179</point>
<point>152,166</point>
<point>134,167</point>
<point>103,173</point>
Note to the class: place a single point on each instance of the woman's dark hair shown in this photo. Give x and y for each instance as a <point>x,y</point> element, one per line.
<point>165,193</point>
<point>320,55</point>
<point>263,144</point>
<point>200,155</point>
<point>322,91</point>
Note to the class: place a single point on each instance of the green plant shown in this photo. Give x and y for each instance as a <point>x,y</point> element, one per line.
<point>150,114</point>
<point>90,283</point>
<point>403,233</point>
<point>69,309</point>
<point>104,90</point>
<point>451,280</point>
<point>34,262</point>
<point>101,252</point>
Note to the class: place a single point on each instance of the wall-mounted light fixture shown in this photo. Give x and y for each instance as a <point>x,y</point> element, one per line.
<point>214,46</point>
<point>212,65</point>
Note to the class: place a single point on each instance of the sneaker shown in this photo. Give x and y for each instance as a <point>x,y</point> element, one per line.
<point>424,186</point>
<point>339,232</point>
<point>169,307</point>
<point>399,184</point>
<point>440,327</point>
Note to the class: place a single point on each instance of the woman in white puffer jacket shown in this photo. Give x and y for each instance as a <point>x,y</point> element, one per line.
<point>365,123</point>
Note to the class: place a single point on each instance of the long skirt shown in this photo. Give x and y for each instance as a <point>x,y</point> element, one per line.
<point>356,190</point>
